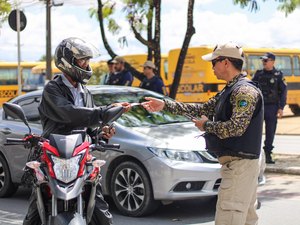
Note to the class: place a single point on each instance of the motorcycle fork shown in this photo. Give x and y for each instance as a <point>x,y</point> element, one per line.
<point>40,205</point>
<point>91,204</point>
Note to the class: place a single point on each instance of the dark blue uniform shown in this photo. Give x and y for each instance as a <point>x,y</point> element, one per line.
<point>274,90</point>
<point>154,84</point>
<point>122,78</point>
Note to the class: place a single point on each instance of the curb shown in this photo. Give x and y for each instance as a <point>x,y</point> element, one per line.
<point>285,164</point>
<point>294,170</point>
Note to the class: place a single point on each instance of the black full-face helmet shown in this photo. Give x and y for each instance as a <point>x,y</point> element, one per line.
<point>65,54</point>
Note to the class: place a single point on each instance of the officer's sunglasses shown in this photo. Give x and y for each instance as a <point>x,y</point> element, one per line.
<point>266,60</point>
<point>219,59</point>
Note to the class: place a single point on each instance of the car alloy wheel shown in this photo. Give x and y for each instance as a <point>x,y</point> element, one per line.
<point>132,190</point>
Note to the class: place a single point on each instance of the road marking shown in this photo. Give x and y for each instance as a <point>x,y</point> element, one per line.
<point>8,218</point>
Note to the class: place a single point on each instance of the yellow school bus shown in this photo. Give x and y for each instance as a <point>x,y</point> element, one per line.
<point>9,78</point>
<point>36,79</point>
<point>287,60</point>
<point>39,71</point>
<point>137,62</point>
<point>198,82</point>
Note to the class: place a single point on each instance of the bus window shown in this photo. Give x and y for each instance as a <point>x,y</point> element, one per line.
<point>26,73</point>
<point>254,63</point>
<point>296,66</point>
<point>284,64</point>
<point>8,76</point>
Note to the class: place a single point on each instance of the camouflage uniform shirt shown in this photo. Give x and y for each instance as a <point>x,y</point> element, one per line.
<point>243,101</point>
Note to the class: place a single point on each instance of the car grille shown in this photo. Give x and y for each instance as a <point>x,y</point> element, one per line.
<point>217,184</point>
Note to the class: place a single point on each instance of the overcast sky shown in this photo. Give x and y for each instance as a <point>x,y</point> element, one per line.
<point>216,21</point>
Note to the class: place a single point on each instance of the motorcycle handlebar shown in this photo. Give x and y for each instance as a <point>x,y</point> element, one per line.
<point>105,147</point>
<point>111,146</point>
<point>15,141</point>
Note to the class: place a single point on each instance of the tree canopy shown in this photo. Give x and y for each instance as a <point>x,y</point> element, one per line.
<point>286,6</point>
<point>5,9</point>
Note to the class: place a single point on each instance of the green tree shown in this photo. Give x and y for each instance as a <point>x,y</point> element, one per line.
<point>5,8</point>
<point>287,6</point>
<point>143,16</point>
<point>137,11</point>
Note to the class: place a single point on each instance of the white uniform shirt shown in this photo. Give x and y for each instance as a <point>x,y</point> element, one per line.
<point>76,92</point>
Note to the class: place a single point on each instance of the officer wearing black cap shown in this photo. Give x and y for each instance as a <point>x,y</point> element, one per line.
<point>111,71</point>
<point>274,90</point>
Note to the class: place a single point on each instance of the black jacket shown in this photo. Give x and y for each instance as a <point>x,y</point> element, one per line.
<point>273,86</point>
<point>58,113</point>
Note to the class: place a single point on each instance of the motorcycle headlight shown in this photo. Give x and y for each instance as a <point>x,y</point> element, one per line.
<point>66,170</point>
<point>177,155</point>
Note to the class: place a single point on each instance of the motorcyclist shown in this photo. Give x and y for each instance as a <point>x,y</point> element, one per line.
<point>67,105</point>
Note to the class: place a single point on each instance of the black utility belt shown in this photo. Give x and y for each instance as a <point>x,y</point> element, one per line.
<point>239,154</point>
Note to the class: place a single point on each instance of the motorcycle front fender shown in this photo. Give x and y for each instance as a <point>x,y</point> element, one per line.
<point>65,192</point>
<point>68,218</point>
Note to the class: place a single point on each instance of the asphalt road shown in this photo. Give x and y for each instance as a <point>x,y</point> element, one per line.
<point>280,198</point>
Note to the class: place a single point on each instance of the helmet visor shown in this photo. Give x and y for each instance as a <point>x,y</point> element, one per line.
<point>82,49</point>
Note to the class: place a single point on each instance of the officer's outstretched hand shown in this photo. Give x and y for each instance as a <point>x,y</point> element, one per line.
<point>153,104</point>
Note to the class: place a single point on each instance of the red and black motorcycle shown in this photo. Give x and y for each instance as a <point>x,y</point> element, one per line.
<point>65,173</point>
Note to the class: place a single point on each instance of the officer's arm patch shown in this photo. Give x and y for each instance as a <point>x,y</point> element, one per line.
<point>242,103</point>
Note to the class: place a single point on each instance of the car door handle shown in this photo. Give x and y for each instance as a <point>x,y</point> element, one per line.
<point>6,131</point>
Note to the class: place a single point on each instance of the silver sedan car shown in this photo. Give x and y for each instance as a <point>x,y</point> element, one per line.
<point>163,156</point>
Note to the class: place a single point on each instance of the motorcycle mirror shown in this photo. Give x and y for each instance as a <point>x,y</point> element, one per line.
<point>112,114</point>
<point>16,112</point>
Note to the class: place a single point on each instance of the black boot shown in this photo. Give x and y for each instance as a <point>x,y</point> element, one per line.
<point>269,159</point>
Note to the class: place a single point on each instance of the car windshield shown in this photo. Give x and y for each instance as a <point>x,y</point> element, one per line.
<point>138,116</point>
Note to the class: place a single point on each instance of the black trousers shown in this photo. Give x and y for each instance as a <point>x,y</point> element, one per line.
<point>101,214</point>
<point>270,117</point>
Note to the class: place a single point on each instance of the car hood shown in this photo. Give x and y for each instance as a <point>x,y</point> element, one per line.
<point>183,136</point>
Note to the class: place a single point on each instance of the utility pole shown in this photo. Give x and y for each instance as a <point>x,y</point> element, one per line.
<point>17,21</point>
<point>48,40</point>
<point>19,52</point>
<point>49,4</point>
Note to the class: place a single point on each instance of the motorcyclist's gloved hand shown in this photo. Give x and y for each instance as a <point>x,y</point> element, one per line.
<point>125,105</point>
<point>108,131</point>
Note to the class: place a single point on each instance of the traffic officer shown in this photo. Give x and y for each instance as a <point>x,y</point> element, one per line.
<point>233,134</point>
<point>274,90</point>
<point>151,81</point>
<point>121,76</point>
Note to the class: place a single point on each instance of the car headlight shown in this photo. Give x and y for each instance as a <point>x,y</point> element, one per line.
<point>177,155</point>
<point>66,170</point>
